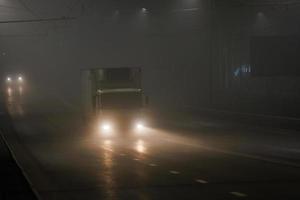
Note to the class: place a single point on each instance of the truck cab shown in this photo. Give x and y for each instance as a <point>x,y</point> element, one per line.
<point>114,97</point>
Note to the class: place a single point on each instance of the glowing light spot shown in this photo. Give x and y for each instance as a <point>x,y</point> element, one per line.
<point>238,194</point>
<point>107,142</point>
<point>140,146</point>
<point>144,10</point>
<point>106,129</point>
<point>9,91</point>
<point>201,181</point>
<point>260,14</point>
<point>21,90</point>
<point>174,172</point>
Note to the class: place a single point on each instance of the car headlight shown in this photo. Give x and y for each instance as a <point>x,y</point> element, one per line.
<point>20,79</point>
<point>8,79</point>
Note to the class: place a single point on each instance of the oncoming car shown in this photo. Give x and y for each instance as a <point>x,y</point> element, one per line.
<point>14,83</point>
<point>18,80</point>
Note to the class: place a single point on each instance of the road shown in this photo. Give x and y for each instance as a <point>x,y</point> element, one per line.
<point>66,158</point>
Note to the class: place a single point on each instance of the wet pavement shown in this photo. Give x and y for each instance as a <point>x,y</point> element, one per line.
<point>67,158</point>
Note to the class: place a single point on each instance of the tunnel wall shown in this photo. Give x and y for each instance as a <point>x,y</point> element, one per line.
<point>170,43</point>
<point>236,87</point>
<point>189,52</point>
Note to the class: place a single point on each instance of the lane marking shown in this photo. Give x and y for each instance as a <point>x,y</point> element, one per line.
<point>136,159</point>
<point>240,154</point>
<point>260,158</point>
<point>238,194</point>
<point>174,172</point>
<point>153,165</point>
<point>107,149</point>
<point>201,181</point>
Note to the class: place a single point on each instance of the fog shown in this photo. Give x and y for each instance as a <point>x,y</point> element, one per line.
<point>188,50</point>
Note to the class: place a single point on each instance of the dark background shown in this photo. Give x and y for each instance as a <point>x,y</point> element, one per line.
<point>275,56</point>
<point>195,54</point>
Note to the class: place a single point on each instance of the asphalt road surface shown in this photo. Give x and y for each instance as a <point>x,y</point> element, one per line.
<point>65,157</point>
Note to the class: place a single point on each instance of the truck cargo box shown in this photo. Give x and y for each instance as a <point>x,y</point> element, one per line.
<point>97,80</point>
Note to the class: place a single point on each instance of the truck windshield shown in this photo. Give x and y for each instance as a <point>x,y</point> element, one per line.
<point>121,100</point>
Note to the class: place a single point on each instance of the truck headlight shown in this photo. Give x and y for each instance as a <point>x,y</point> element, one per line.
<point>106,127</point>
<point>139,126</point>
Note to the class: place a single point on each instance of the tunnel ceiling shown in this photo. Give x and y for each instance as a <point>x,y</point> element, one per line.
<point>267,2</point>
<point>51,8</point>
<point>35,8</point>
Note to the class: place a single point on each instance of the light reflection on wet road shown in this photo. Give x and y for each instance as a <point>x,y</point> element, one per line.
<point>80,163</point>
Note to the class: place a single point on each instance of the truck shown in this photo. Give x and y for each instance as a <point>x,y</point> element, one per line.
<point>114,97</point>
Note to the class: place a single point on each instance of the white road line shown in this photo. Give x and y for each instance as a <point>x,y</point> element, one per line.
<point>107,149</point>
<point>201,181</point>
<point>174,172</point>
<point>238,194</point>
<point>245,155</point>
<point>153,165</point>
<point>136,159</point>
